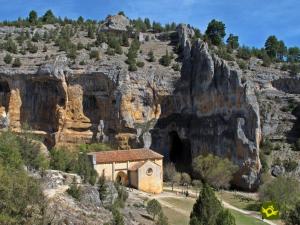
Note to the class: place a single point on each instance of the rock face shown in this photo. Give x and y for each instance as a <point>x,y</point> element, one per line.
<point>205,109</point>
<point>211,111</point>
<point>116,23</point>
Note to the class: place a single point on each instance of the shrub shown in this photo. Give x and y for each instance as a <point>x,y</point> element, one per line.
<point>45,49</point>
<point>94,54</point>
<point>17,62</point>
<point>284,191</point>
<point>165,60</point>
<point>153,208</point>
<point>82,62</point>
<point>132,67</point>
<point>151,57</point>
<point>110,51</point>
<point>244,53</point>
<point>162,219</point>
<point>176,67</point>
<point>31,47</point>
<point>140,64</point>
<point>290,165</point>
<point>74,191</point>
<point>11,46</point>
<point>7,59</point>
<point>242,64</point>
<point>214,170</point>
<point>293,216</point>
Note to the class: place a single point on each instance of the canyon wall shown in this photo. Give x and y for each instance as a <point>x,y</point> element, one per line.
<point>204,109</point>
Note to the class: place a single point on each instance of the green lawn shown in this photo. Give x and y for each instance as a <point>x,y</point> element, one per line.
<point>186,204</point>
<point>174,217</point>
<point>242,219</point>
<point>239,201</point>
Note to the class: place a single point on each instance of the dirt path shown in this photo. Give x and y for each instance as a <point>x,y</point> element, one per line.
<point>225,204</point>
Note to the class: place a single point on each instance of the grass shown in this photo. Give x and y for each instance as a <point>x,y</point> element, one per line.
<point>174,217</point>
<point>242,219</point>
<point>239,201</point>
<point>186,204</point>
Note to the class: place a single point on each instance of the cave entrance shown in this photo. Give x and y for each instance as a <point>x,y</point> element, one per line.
<point>180,152</point>
<point>4,94</point>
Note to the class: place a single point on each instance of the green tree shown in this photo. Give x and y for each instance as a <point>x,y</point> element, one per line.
<point>232,42</point>
<point>281,51</point>
<point>74,190</point>
<point>293,217</point>
<point>11,46</point>
<point>153,208</point>
<point>284,191</point>
<point>102,188</point>
<point>185,179</point>
<point>244,53</point>
<point>21,198</point>
<point>215,32</point>
<point>85,169</point>
<point>206,209</point>
<point>7,59</point>
<point>162,219</point>
<point>48,17</point>
<point>171,175</point>
<point>151,57</point>
<point>121,13</point>
<point>225,218</point>
<point>33,17</point>
<point>147,23</point>
<point>165,60</point>
<point>117,217</point>
<point>271,47</point>
<point>293,54</point>
<point>214,170</point>
<point>17,62</point>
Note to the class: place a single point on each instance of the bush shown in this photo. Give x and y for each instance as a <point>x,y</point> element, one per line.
<point>74,191</point>
<point>151,57</point>
<point>165,60</point>
<point>242,64</point>
<point>17,62</point>
<point>290,165</point>
<point>214,170</point>
<point>153,208</point>
<point>244,53</point>
<point>284,191</point>
<point>31,47</point>
<point>132,67</point>
<point>140,64</point>
<point>94,54</point>
<point>110,51</point>
<point>176,67</point>
<point>293,216</point>
<point>7,59</point>
<point>11,46</point>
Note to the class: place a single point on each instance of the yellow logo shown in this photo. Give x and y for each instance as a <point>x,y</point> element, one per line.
<point>269,211</point>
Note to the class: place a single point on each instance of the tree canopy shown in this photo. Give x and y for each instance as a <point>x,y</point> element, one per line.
<point>216,32</point>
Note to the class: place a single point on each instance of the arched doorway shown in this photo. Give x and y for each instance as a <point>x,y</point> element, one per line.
<point>180,152</point>
<point>122,178</point>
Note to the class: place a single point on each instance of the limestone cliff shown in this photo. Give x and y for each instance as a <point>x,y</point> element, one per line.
<point>204,109</point>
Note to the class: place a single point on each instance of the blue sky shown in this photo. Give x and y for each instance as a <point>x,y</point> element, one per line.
<point>252,20</point>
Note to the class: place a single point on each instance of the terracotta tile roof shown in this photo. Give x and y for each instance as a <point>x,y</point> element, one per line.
<point>125,155</point>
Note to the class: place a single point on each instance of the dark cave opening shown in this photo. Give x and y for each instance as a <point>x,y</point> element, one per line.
<point>4,94</point>
<point>180,152</point>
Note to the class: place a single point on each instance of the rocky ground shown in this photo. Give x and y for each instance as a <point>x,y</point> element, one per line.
<point>64,209</point>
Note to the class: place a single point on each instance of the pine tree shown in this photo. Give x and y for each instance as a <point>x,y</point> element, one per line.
<point>102,188</point>
<point>206,209</point>
<point>225,218</point>
<point>33,17</point>
<point>215,32</point>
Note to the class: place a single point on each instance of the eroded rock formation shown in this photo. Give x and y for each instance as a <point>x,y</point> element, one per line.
<point>205,109</point>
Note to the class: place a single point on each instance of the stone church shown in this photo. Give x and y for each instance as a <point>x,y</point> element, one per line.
<point>138,168</point>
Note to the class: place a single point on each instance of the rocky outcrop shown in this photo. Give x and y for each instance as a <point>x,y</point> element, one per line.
<point>205,109</point>
<point>116,23</point>
<point>211,111</point>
